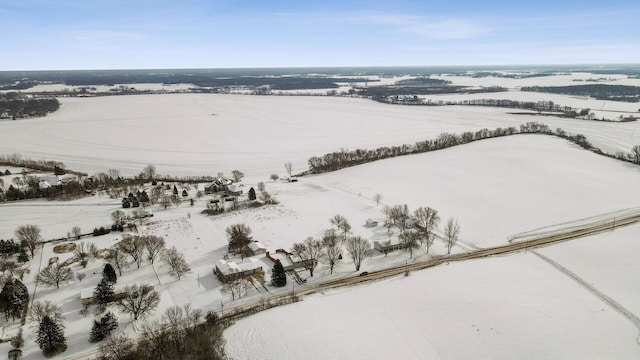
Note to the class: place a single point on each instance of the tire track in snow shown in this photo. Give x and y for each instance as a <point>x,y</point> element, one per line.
<point>592,289</point>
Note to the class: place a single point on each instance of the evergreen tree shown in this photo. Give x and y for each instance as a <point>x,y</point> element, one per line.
<point>50,337</point>
<point>278,276</point>
<point>13,299</point>
<point>23,256</point>
<point>104,292</point>
<point>103,328</point>
<point>252,194</point>
<point>109,273</point>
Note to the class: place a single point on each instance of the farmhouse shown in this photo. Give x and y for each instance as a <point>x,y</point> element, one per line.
<point>48,181</point>
<point>217,185</point>
<point>388,246</point>
<point>228,271</point>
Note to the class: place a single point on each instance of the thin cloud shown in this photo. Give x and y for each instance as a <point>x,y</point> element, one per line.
<point>437,29</point>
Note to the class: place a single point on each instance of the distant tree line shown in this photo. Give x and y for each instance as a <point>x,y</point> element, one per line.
<point>15,106</point>
<point>383,93</point>
<point>17,160</point>
<point>345,158</point>
<point>597,91</point>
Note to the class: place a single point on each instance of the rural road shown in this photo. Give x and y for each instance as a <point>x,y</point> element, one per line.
<point>573,233</point>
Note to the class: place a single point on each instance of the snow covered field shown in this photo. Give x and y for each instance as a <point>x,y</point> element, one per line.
<point>497,301</point>
<point>518,306</point>
<point>610,110</point>
<point>202,134</point>
<point>514,307</point>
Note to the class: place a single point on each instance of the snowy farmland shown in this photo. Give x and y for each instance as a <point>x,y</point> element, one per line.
<point>200,134</point>
<point>515,307</point>
<point>518,306</point>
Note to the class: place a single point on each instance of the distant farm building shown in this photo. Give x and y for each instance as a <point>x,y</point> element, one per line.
<point>288,260</point>
<point>228,271</point>
<point>371,223</point>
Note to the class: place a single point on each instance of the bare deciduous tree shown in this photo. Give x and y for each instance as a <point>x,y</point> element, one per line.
<point>238,235</point>
<point>134,247</point>
<point>76,232</point>
<point>342,224</point>
<point>358,249</point>
<point>398,215</point>
<point>288,166</point>
<point>634,156</point>
<point>118,259</point>
<point>28,235</point>
<point>331,248</point>
<point>39,309</point>
<point>166,200</point>
<point>153,245</point>
<point>149,171</point>
<point>310,252</point>
<point>85,252</point>
<point>139,300</point>
<point>118,217</point>
<point>237,175</point>
<point>451,232</point>
<point>427,220</point>
<point>55,275</point>
<point>237,288</point>
<point>410,240</point>
<point>175,261</point>
<point>261,187</point>
<point>116,347</point>
<point>274,177</point>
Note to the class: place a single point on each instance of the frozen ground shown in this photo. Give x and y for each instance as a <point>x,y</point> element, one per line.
<point>514,307</point>
<point>202,134</point>
<point>496,302</point>
<point>610,110</point>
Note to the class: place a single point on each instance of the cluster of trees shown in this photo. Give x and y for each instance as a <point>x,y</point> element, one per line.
<point>421,86</point>
<point>16,106</point>
<point>17,160</point>
<point>418,228</point>
<point>597,91</point>
<point>149,247</point>
<point>28,187</point>
<point>329,248</point>
<point>180,334</point>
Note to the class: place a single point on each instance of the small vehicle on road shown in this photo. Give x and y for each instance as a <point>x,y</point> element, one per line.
<point>364,273</point>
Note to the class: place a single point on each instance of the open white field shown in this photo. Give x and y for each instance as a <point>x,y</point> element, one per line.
<point>540,172</point>
<point>200,134</point>
<point>515,307</point>
<point>606,261</point>
<point>499,187</point>
<point>610,110</point>
<point>564,79</point>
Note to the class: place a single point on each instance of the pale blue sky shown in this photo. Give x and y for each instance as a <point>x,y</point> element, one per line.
<point>127,34</point>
